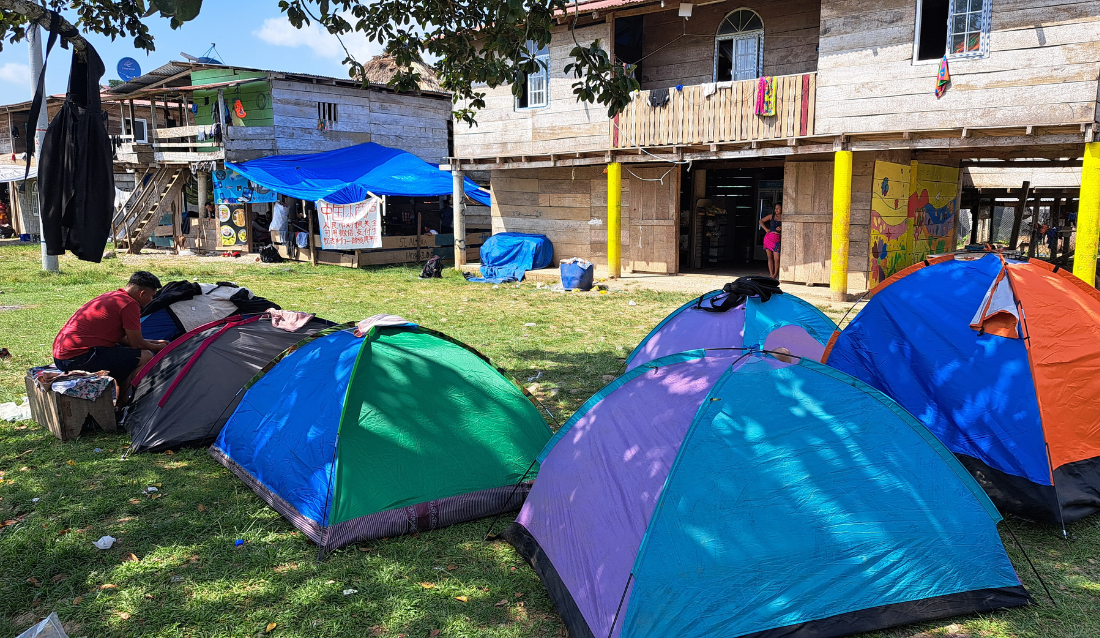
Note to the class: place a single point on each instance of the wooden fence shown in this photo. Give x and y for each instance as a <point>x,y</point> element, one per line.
<point>727,115</point>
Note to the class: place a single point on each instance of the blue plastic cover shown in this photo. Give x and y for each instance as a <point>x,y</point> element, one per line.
<point>508,256</point>
<point>159,325</point>
<point>914,342</point>
<point>344,176</point>
<point>284,430</point>
<point>801,494</point>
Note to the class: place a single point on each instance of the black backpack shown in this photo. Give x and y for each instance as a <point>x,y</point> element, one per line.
<point>433,269</point>
<point>269,254</point>
<point>734,293</point>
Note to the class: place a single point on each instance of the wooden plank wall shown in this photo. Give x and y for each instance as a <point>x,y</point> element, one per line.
<point>564,126</point>
<point>727,115</point>
<point>807,221</point>
<point>417,124</point>
<point>1042,67</point>
<point>1008,177</point>
<point>560,203</point>
<point>790,41</point>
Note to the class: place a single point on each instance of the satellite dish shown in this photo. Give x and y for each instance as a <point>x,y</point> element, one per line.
<point>128,69</point>
<point>200,60</point>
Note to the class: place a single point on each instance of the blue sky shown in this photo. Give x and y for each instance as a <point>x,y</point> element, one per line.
<point>252,33</point>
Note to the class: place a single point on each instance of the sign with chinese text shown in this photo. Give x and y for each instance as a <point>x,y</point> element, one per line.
<point>350,226</point>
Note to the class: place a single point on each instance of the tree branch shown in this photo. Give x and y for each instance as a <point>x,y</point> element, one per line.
<point>41,16</point>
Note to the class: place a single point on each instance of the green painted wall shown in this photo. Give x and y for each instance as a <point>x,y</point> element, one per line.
<point>255,97</point>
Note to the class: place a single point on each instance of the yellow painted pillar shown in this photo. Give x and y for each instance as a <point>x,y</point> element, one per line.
<point>842,218</point>
<point>614,219</point>
<point>1088,216</point>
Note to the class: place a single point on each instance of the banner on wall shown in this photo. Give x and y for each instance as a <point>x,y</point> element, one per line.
<point>232,225</point>
<point>231,187</point>
<point>351,226</point>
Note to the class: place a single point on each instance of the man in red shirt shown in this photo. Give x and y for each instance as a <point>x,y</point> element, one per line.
<point>105,334</point>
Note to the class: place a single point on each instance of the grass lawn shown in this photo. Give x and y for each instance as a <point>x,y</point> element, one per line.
<point>189,579</point>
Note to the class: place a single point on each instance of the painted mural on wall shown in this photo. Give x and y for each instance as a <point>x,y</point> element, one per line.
<point>891,232</point>
<point>913,210</point>
<point>933,195</point>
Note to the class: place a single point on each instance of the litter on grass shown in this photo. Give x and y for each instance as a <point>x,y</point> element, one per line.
<point>48,628</point>
<point>104,542</point>
<point>13,412</point>
<point>349,592</point>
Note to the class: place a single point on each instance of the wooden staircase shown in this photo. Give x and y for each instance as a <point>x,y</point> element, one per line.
<point>141,214</point>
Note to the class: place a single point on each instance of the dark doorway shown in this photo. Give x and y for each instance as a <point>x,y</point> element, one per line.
<point>724,206</point>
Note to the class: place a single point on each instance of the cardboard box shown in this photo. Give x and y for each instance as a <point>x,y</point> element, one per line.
<point>64,415</point>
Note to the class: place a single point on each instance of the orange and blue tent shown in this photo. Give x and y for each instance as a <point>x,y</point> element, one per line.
<point>1000,359</point>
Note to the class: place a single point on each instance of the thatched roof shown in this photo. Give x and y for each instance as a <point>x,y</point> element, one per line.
<point>381,68</point>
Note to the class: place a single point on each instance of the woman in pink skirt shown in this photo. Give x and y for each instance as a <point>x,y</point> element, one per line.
<point>773,239</point>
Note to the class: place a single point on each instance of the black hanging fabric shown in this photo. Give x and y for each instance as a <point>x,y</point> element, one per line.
<point>658,97</point>
<point>734,293</point>
<point>76,179</point>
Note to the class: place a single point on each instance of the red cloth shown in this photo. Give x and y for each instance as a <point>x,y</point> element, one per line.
<point>102,322</point>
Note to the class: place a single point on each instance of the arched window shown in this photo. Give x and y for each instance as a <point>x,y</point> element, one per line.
<point>739,47</point>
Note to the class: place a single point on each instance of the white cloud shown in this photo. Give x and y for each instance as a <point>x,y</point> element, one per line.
<point>279,32</point>
<point>16,73</point>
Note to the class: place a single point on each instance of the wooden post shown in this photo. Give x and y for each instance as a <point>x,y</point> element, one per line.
<point>1018,217</point>
<point>458,193</point>
<point>178,210</point>
<point>419,228</point>
<point>1088,216</point>
<point>152,132</point>
<point>312,248</point>
<point>614,219</point>
<point>975,218</point>
<point>133,123</point>
<point>842,221</point>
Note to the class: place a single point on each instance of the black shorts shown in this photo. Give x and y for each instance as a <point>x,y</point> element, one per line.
<point>119,361</point>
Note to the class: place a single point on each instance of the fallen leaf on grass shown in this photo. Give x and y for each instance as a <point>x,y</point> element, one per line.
<point>169,452</point>
<point>149,596</point>
<point>124,615</point>
<point>76,601</point>
<point>11,521</point>
<point>58,578</point>
<point>519,594</point>
<point>270,627</point>
<point>364,549</point>
<point>134,501</point>
<point>64,531</point>
<point>70,462</point>
<point>155,496</point>
<point>433,633</point>
<point>462,598</point>
<point>34,581</point>
<point>108,586</point>
<point>130,558</point>
<point>502,603</point>
<point>513,569</point>
<point>201,508</point>
<point>452,567</point>
<point>427,585</point>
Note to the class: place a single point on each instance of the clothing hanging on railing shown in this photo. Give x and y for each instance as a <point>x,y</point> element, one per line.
<point>765,96</point>
<point>658,97</point>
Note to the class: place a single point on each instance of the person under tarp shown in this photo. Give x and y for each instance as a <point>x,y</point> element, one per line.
<point>507,257</point>
<point>350,175</point>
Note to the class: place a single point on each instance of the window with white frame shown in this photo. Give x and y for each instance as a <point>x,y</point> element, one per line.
<point>536,89</point>
<point>739,47</point>
<point>955,28</point>
<point>138,130</point>
<point>968,28</point>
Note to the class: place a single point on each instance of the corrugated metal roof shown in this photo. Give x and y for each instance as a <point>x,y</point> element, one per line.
<point>157,77</point>
<point>159,74</point>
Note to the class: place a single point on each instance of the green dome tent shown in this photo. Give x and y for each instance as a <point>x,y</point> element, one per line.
<point>397,431</point>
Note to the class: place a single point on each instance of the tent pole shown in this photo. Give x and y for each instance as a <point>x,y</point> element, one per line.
<point>458,188</point>
<point>312,250</point>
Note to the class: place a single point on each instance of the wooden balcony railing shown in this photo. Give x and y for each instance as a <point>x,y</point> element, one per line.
<point>726,116</point>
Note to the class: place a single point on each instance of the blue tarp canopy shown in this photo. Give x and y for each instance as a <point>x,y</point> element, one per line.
<point>345,176</point>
